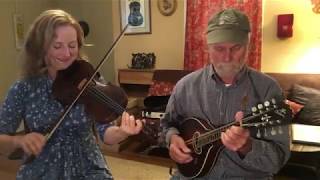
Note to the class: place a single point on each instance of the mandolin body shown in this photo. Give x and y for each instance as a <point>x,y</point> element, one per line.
<point>204,157</point>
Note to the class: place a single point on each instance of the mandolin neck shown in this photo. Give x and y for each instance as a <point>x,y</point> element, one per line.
<point>215,134</point>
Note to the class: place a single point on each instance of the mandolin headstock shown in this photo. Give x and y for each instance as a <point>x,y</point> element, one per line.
<point>269,117</point>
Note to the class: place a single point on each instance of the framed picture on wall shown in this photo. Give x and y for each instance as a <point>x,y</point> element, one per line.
<point>135,13</point>
<point>18,30</point>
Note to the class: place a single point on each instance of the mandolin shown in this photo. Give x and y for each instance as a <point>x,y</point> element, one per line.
<point>204,139</point>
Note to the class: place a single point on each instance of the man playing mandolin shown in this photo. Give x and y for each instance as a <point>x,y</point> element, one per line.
<point>205,122</point>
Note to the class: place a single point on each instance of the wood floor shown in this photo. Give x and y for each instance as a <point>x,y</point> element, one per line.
<point>137,167</point>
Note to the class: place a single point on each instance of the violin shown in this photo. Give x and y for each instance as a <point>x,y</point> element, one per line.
<point>103,102</point>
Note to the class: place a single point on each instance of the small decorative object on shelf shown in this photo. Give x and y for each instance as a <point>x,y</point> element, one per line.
<point>143,60</point>
<point>167,7</point>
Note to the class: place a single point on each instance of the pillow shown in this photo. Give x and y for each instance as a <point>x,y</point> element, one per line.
<point>301,94</point>
<point>310,113</point>
<point>160,88</point>
<point>295,107</point>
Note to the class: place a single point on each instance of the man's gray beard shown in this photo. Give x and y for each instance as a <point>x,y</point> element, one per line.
<point>228,70</point>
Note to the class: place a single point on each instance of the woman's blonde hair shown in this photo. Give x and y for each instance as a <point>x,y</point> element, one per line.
<point>39,38</point>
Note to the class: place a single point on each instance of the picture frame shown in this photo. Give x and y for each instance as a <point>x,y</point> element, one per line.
<point>137,14</point>
<point>18,23</point>
<point>167,7</point>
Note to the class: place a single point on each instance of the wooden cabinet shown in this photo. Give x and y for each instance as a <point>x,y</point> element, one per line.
<point>135,82</point>
<point>135,76</point>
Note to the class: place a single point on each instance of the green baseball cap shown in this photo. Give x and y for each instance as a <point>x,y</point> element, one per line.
<point>229,25</point>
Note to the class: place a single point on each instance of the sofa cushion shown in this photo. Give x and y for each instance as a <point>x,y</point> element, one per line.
<point>302,94</point>
<point>160,88</point>
<point>310,98</point>
<point>310,113</point>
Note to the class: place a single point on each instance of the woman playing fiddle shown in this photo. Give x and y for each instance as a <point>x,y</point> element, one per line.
<point>53,43</point>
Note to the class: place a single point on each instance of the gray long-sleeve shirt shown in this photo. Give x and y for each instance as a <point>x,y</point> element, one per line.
<point>203,95</point>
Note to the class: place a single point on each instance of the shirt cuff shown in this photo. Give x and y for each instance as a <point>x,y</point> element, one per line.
<point>102,129</point>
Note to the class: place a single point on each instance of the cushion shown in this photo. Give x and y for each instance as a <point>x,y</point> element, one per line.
<point>301,94</point>
<point>160,88</point>
<point>310,99</point>
<point>310,113</point>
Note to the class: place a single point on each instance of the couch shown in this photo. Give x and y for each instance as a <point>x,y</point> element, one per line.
<point>304,162</point>
<point>286,80</point>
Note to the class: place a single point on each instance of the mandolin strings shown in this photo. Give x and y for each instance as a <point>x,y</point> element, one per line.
<point>215,134</point>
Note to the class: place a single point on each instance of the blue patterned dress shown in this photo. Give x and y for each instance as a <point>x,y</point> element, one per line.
<point>72,152</point>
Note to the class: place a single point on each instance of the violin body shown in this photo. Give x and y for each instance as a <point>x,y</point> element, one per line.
<point>105,102</point>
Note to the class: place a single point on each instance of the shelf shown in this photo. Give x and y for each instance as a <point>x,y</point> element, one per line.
<point>135,76</point>
<point>135,82</point>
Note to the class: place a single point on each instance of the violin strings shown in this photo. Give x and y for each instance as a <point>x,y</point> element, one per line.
<point>118,108</point>
<point>109,103</point>
<point>105,99</point>
<point>102,97</point>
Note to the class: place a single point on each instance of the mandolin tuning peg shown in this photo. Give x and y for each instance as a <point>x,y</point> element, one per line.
<point>280,130</point>
<point>258,134</point>
<point>267,103</point>
<point>274,103</point>
<point>265,134</point>
<point>254,109</point>
<point>260,106</point>
<point>273,131</point>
